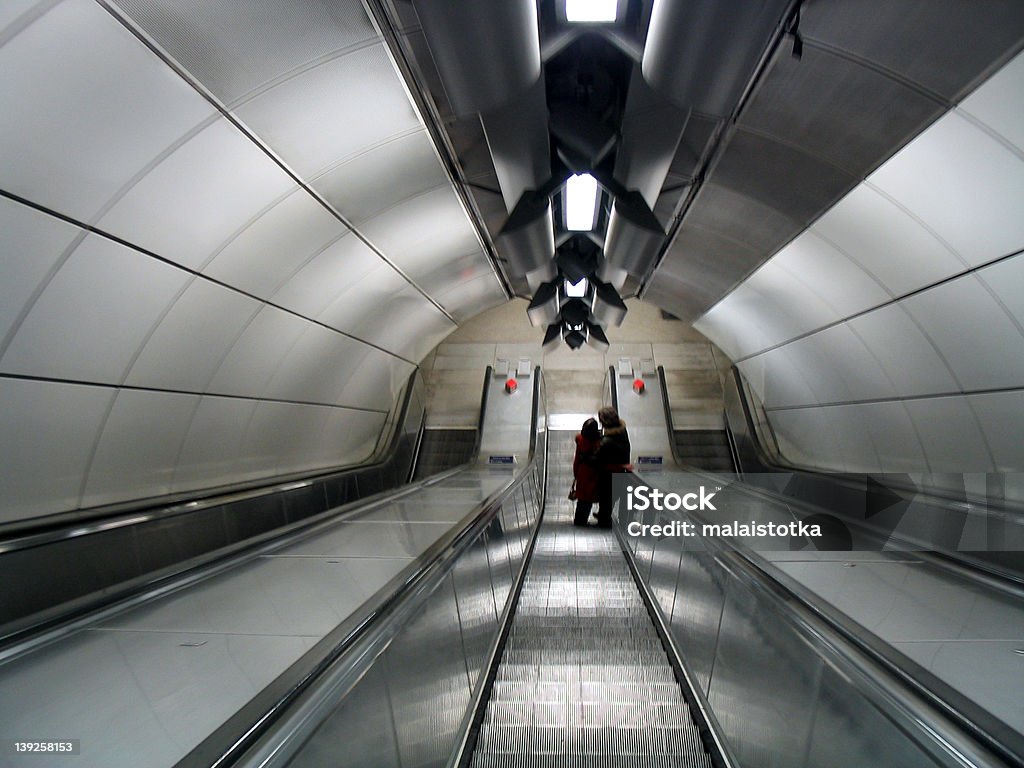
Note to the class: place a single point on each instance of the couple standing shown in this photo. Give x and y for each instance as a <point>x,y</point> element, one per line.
<point>598,456</point>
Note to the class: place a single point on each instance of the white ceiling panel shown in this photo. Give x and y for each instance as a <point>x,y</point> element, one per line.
<point>47,435</point>
<point>88,106</point>
<point>255,356</point>
<point>329,274</point>
<point>842,366</point>
<point>904,352</point>
<point>348,437</point>
<point>826,438</point>
<point>192,339</point>
<point>999,415</point>
<point>887,242</point>
<point>139,447</point>
<point>382,177</point>
<point>952,441</point>
<point>212,445</point>
<point>830,275</point>
<point>411,327</point>
<point>94,314</point>
<point>892,435</point>
<point>331,112</point>
<point>975,336</point>
<point>780,378</point>
<point>421,233</point>
<point>787,308</point>
<point>196,199</point>
<point>10,10</point>
<point>1006,280</point>
<point>376,384</point>
<point>365,301</point>
<point>468,298</point>
<point>999,102</point>
<point>317,366</point>
<point>30,245</point>
<point>745,322</point>
<point>282,437</point>
<point>233,48</point>
<point>963,184</point>
<point>275,246</point>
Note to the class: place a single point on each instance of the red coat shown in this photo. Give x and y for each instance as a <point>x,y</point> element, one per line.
<point>584,472</point>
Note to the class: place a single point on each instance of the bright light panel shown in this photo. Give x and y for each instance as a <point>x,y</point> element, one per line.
<point>591,10</point>
<point>580,202</point>
<point>576,290</point>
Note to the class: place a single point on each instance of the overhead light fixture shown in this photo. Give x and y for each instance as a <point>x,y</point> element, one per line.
<point>576,290</point>
<point>584,11</point>
<point>580,202</point>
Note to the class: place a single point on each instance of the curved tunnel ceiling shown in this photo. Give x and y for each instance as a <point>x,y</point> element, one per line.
<point>232,230</point>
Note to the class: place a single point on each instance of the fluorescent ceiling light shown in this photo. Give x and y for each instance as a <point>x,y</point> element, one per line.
<point>591,10</point>
<point>576,290</point>
<point>580,202</point>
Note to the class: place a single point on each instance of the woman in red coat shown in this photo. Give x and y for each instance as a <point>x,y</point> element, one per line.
<point>584,471</point>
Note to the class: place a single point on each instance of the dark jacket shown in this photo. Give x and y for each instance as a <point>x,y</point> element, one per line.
<point>584,471</point>
<point>613,453</point>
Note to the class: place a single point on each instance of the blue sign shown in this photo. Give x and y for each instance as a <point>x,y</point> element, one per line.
<point>501,460</point>
<point>649,460</point>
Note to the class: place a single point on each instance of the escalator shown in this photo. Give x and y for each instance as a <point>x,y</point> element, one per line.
<point>584,680</point>
<point>521,640</point>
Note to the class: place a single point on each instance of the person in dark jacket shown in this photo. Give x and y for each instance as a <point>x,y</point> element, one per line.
<point>585,471</point>
<point>612,456</point>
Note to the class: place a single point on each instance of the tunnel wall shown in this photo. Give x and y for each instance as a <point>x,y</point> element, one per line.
<point>209,272</point>
<point>889,335</point>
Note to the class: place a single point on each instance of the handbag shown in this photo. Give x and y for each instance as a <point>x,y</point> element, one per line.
<point>572,491</point>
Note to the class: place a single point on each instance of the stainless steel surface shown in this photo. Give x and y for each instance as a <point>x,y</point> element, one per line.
<point>787,688</point>
<point>145,687</point>
<point>584,680</point>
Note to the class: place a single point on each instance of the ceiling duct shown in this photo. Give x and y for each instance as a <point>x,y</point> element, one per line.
<point>543,309</point>
<point>575,313</point>
<point>633,240</point>
<point>596,337</point>
<point>487,51</point>
<point>575,339</point>
<point>577,258</point>
<point>702,53</point>
<point>584,141</point>
<point>609,308</point>
<point>651,130</point>
<point>552,337</point>
<point>520,146</point>
<point>527,241</point>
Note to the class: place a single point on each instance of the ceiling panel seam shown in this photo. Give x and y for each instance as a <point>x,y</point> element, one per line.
<point>167,59</point>
<point>989,131</point>
<point>424,108</point>
<point>171,391</point>
<point>365,150</point>
<point>874,66</point>
<point>301,69</point>
<point>895,300</point>
<point>89,229</point>
<point>26,19</point>
<point>964,393</point>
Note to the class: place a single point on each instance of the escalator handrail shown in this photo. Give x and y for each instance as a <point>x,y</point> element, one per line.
<point>921,697</point>
<point>260,722</point>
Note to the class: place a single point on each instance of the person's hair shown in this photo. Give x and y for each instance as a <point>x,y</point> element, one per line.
<point>609,417</point>
<point>590,429</point>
